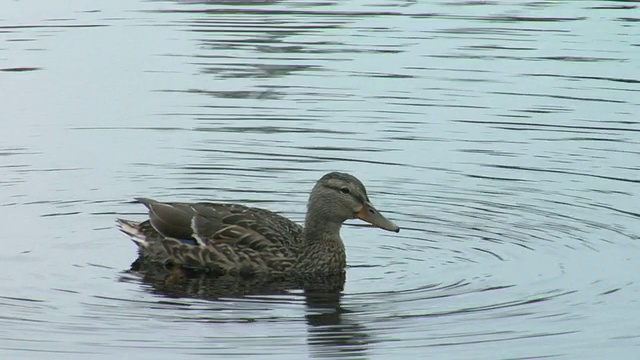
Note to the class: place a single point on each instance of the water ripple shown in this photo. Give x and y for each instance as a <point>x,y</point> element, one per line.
<point>501,137</point>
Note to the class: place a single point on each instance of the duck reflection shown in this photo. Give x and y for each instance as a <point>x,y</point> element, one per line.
<point>331,331</point>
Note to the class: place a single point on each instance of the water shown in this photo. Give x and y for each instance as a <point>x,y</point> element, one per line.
<point>501,136</point>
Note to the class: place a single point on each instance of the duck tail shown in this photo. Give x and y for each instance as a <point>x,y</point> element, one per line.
<point>133,231</point>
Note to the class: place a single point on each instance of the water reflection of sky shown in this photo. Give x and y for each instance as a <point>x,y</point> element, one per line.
<point>499,135</point>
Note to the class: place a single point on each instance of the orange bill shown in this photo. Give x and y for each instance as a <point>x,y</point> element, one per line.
<point>369,214</point>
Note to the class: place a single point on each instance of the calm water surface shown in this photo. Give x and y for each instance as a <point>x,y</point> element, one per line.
<point>502,136</point>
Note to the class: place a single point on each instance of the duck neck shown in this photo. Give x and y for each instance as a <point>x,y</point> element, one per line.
<point>319,231</point>
<point>321,225</point>
<point>323,248</point>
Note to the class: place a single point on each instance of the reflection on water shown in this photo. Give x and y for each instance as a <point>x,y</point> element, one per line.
<point>328,333</point>
<point>501,135</point>
<point>180,282</point>
<point>331,332</point>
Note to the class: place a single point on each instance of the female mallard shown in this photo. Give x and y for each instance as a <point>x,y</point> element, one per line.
<point>236,239</point>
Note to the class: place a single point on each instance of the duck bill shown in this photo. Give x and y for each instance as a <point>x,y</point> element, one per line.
<point>369,214</point>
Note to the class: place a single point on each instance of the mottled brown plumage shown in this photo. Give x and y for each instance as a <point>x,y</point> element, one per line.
<point>239,240</point>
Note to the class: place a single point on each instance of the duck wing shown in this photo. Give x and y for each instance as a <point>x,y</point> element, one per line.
<point>224,237</point>
<point>210,223</point>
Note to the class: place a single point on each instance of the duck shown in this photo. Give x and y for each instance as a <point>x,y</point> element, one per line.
<point>234,239</point>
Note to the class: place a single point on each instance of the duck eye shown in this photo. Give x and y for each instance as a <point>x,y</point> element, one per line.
<point>344,190</point>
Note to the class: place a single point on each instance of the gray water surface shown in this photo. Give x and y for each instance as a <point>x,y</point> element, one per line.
<point>501,136</point>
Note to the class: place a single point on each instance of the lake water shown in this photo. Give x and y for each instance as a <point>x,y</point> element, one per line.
<point>501,136</point>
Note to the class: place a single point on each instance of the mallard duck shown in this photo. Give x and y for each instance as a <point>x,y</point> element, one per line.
<point>236,239</point>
